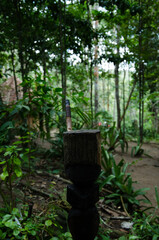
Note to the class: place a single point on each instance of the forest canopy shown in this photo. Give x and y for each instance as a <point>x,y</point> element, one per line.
<point>102,55</point>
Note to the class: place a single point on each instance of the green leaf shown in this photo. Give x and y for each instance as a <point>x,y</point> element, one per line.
<point>10,224</point>
<point>15,211</point>
<point>68,235</point>
<point>3,162</point>
<point>58,89</point>
<point>6,217</point>
<point>17,142</point>
<point>106,181</point>
<point>157,196</point>
<point>133,237</point>
<point>16,232</point>
<point>8,124</point>
<point>17,161</point>
<point>4,175</point>
<point>33,233</point>
<point>122,238</point>
<point>155,237</point>
<point>18,172</point>
<point>48,223</point>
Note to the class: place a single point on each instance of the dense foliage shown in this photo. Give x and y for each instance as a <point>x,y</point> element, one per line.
<point>103,57</point>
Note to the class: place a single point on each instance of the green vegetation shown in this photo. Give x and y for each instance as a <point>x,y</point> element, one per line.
<point>103,57</point>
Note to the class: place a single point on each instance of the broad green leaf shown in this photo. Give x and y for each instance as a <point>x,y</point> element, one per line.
<point>33,233</point>
<point>6,217</point>
<point>6,125</point>
<point>17,161</point>
<point>67,234</point>
<point>58,89</point>
<point>10,224</point>
<point>4,175</point>
<point>16,232</point>
<point>26,107</point>
<point>48,223</point>
<point>18,172</point>
<point>15,211</point>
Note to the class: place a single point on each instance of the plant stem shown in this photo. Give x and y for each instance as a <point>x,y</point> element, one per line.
<point>121,198</point>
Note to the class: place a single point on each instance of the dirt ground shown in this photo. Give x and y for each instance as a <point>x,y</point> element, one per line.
<point>46,188</point>
<point>145,170</point>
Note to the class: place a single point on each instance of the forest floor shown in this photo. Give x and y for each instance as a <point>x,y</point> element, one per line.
<point>145,169</point>
<point>47,187</point>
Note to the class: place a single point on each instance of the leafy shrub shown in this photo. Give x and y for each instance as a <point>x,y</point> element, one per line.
<point>137,151</point>
<point>121,183</point>
<point>112,137</point>
<point>11,159</point>
<point>17,225</point>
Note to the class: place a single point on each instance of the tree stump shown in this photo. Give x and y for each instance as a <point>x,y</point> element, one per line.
<point>82,156</point>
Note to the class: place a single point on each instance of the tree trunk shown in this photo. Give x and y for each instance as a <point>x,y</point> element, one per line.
<point>91,90</point>
<point>63,53</point>
<point>1,101</point>
<point>140,74</point>
<point>96,75</point>
<point>104,94</point>
<point>20,43</point>
<point>44,69</point>
<point>117,82</point>
<point>14,74</point>
<point>128,101</point>
<point>108,86</point>
<point>124,105</point>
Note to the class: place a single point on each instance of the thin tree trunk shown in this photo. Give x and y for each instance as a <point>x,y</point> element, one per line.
<point>117,82</point>
<point>104,94</point>
<point>142,106</point>
<point>20,44</point>
<point>14,75</point>
<point>108,86</point>
<point>117,94</point>
<point>1,101</point>
<point>63,54</point>
<point>44,70</point>
<point>128,101</point>
<point>96,75</point>
<point>124,106</point>
<point>91,92</point>
<point>90,68</point>
<point>140,74</point>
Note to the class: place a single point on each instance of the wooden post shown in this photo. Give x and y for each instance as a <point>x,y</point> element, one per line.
<point>82,155</point>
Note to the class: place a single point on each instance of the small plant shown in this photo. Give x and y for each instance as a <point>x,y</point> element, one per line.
<point>12,157</point>
<point>145,227</point>
<point>112,138</point>
<point>121,183</point>
<point>137,151</point>
<point>11,170</point>
<point>17,225</point>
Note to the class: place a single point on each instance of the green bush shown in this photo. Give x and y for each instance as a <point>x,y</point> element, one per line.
<point>116,177</point>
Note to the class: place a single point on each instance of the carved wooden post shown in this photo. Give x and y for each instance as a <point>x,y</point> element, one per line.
<point>82,154</point>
